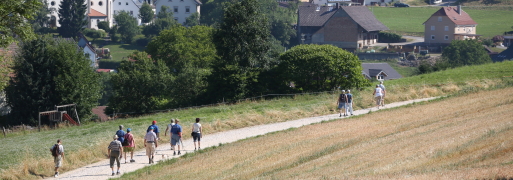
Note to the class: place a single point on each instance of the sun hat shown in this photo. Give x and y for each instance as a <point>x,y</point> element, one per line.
<point>115,136</point>
<point>348,90</point>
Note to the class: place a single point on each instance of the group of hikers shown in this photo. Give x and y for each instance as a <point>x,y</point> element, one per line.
<point>123,142</point>
<point>345,99</point>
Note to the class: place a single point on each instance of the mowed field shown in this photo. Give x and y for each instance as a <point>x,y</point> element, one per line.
<point>461,137</point>
<point>408,21</point>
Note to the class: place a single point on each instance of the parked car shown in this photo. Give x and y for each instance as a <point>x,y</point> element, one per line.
<point>401,5</point>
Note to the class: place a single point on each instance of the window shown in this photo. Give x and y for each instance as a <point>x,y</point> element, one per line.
<point>181,0</point>
<point>92,3</point>
<point>175,9</point>
<point>187,10</point>
<point>176,18</point>
<point>52,3</point>
<point>127,3</point>
<point>115,12</point>
<point>119,3</point>
<point>446,28</point>
<point>432,28</point>
<point>439,19</point>
<point>432,37</point>
<point>170,0</point>
<point>446,37</point>
<point>132,13</point>
<point>100,3</point>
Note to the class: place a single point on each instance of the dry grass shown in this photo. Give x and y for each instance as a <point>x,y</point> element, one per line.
<point>466,137</point>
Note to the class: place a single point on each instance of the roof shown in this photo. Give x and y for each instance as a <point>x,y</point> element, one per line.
<point>95,13</point>
<point>100,111</point>
<point>87,43</point>
<point>504,55</point>
<point>313,15</point>
<point>372,69</point>
<point>105,70</point>
<point>454,16</point>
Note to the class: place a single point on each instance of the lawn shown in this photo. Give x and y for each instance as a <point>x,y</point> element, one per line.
<point>408,21</point>
<point>404,71</point>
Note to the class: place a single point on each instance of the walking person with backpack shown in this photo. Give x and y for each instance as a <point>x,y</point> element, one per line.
<point>197,132</point>
<point>349,105</point>
<point>342,101</point>
<point>176,136</point>
<point>115,152</point>
<point>129,144</point>
<point>58,156</point>
<point>168,129</point>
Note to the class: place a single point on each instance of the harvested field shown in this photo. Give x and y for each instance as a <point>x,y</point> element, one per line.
<point>465,137</point>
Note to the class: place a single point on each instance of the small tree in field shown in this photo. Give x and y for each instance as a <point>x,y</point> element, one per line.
<point>465,52</point>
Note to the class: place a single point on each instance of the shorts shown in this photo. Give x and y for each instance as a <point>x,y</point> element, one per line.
<point>378,99</point>
<point>150,149</point>
<point>341,105</point>
<point>58,161</point>
<point>175,139</point>
<point>114,156</point>
<point>196,136</point>
<point>128,149</point>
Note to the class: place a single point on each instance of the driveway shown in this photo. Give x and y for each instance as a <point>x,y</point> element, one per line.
<point>416,41</point>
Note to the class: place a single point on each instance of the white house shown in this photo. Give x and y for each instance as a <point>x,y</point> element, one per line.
<point>181,9</point>
<point>98,10</point>
<point>130,6</point>
<point>89,50</point>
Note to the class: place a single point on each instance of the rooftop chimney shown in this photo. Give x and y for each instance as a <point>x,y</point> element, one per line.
<point>459,9</point>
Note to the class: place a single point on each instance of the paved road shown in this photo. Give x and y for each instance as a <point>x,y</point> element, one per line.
<point>416,41</point>
<point>101,170</point>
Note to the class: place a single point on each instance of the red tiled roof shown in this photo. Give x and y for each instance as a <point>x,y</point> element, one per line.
<point>452,13</point>
<point>100,111</point>
<point>95,13</point>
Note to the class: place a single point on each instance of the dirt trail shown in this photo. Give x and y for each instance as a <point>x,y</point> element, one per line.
<point>101,170</point>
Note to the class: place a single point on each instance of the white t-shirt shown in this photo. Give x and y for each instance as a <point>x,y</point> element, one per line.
<point>379,92</point>
<point>196,127</point>
<point>169,126</point>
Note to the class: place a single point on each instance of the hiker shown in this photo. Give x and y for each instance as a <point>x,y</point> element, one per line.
<point>115,152</point>
<point>155,129</point>
<point>121,134</point>
<point>378,95</point>
<point>130,147</point>
<point>384,93</point>
<point>58,156</point>
<point>342,101</point>
<point>197,132</point>
<point>349,105</point>
<point>168,129</point>
<point>150,142</point>
<point>176,135</point>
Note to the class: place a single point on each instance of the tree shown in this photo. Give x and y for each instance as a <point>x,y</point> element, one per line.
<point>192,20</point>
<point>13,20</point>
<point>50,72</point>
<point>165,13</point>
<point>104,25</point>
<point>465,52</point>
<point>242,44</point>
<point>321,68</point>
<point>146,13</point>
<point>141,85</point>
<point>72,17</point>
<point>41,19</point>
<point>158,25</point>
<point>126,26</point>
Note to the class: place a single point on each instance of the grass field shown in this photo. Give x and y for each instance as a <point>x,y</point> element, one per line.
<point>463,137</point>
<point>25,154</point>
<point>408,21</point>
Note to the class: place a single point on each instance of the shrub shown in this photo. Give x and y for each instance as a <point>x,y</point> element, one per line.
<point>498,38</point>
<point>142,41</point>
<point>95,34</point>
<point>387,37</point>
<point>487,42</point>
<point>115,38</point>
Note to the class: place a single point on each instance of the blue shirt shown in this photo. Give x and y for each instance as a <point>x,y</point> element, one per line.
<point>349,97</point>
<point>175,129</point>
<point>121,135</point>
<point>155,128</point>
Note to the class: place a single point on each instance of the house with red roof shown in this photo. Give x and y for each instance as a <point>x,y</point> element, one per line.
<point>448,24</point>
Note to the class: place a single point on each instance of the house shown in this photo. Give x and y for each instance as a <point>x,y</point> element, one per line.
<point>130,6</point>
<point>447,24</point>
<point>504,55</point>
<point>347,27</point>
<point>89,50</point>
<point>379,71</point>
<point>344,2</point>
<point>181,9</point>
<point>98,10</point>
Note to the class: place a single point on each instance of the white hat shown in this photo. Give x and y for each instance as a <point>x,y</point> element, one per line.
<point>343,90</point>
<point>348,90</point>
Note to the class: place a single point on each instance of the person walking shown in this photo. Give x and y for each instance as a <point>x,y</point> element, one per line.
<point>121,134</point>
<point>130,147</point>
<point>349,105</point>
<point>384,93</point>
<point>176,135</point>
<point>150,142</point>
<point>168,129</point>
<point>342,101</point>
<point>58,156</point>
<point>378,95</point>
<point>115,152</point>
<point>197,132</point>
<point>155,129</point>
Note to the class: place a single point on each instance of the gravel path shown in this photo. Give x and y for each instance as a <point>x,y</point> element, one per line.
<point>101,170</point>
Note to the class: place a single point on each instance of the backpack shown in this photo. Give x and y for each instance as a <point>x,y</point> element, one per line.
<point>342,98</point>
<point>121,135</point>
<point>126,142</point>
<point>55,150</point>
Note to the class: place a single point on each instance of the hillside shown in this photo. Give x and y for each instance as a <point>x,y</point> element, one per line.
<point>463,137</point>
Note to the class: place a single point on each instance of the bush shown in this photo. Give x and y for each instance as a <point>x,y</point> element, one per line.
<point>95,34</point>
<point>487,42</point>
<point>115,38</point>
<point>387,37</point>
<point>498,38</point>
<point>142,41</point>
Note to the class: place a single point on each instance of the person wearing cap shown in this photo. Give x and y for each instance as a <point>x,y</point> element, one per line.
<point>342,101</point>
<point>121,134</point>
<point>131,145</point>
<point>176,135</point>
<point>155,128</point>
<point>168,129</point>
<point>378,95</point>
<point>150,142</point>
<point>115,151</point>
<point>349,105</point>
